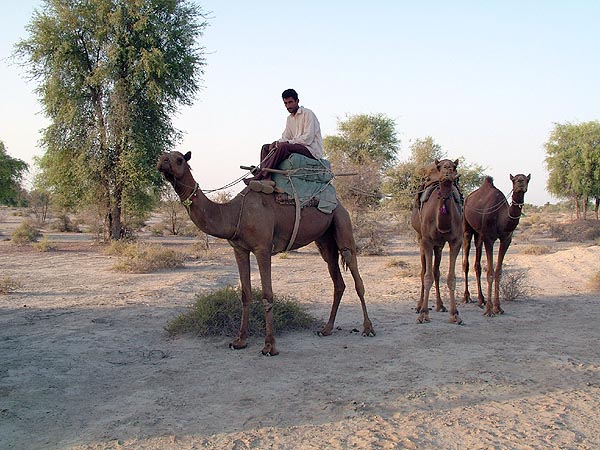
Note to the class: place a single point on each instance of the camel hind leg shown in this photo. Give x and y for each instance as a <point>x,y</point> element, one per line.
<point>344,239</point>
<point>329,252</point>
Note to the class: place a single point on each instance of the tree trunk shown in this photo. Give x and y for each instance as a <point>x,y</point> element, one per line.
<point>596,205</point>
<point>585,207</point>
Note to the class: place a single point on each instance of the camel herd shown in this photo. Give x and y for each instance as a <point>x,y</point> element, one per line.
<point>255,222</point>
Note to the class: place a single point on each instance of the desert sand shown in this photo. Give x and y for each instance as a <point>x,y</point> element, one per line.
<point>85,362</point>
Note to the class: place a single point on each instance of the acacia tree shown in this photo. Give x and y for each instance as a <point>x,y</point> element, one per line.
<point>402,181</point>
<point>573,163</point>
<point>366,144</point>
<point>11,174</point>
<point>111,74</point>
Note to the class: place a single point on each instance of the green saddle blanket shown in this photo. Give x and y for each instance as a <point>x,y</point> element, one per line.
<point>309,178</point>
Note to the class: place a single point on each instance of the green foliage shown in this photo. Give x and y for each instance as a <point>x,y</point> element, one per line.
<point>364,138</point>
<point>403,180</point>
<point>219,314</point>
<point>144,258</point>
<point>111,73</point>
<point>25,233</point>
<point>11,174</point>
<point>573,162</point>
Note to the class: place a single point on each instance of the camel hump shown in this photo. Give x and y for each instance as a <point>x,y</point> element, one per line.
<point>489,180</point>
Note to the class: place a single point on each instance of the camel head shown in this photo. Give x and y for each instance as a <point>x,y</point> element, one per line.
<point>173,165</point>
<point>447,169</point>
<point>520,183</point>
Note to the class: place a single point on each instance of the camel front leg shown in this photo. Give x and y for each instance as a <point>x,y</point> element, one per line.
<point>498,274</point>
<point>489,252</point>
<point>427,251</point>
<point>422,294</point>
<point>437,259</point>
<point>263,258</point>
<point>467,236</point>
<point>242,258</point>
<point>478,252</point>
<point>451,282</point>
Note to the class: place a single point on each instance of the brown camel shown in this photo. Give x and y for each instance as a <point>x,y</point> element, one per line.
<point>255,222</point>
<point>487,217</point>
<point>438,220</point>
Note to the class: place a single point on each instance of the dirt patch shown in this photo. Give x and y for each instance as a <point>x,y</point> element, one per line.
<point>86,363</point>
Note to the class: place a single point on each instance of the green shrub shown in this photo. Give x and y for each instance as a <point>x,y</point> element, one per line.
<point>144,258</point>
<point>219,313</point>
<point>25,233</point>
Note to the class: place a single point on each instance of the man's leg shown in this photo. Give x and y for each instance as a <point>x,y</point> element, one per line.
<point>283,151</point>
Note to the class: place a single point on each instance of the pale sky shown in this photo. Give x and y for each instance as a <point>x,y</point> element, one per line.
<point>486,80</point>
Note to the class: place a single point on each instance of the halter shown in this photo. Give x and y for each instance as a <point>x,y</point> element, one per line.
<point>518,205</point>
<point>188,201</point>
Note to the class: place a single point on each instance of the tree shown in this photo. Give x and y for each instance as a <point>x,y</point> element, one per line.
<point>365,146</point>
<point>111,73</point>
<point>573,163</point>
<point>402,181</point>
<point>11,174</point>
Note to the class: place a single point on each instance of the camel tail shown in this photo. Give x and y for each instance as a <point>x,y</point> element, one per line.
<point>345,255</point>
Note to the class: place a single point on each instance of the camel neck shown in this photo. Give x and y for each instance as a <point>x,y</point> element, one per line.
<point>208,216</point>
<point>516,208</point>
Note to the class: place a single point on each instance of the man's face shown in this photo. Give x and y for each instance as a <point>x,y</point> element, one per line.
<point>291,105</point>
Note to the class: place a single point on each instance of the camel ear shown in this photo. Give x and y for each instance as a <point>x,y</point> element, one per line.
<point>528,177</point>
<point>455,163</point>
<point>511,177</point>
<point>437,164</point>
<point>187,156</point>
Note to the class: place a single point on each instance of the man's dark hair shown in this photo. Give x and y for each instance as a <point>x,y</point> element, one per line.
<point>290,93</point>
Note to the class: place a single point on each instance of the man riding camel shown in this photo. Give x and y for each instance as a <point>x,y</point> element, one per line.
<point>302,135</point>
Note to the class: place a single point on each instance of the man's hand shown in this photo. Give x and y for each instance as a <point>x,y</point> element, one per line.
<point>273,145</point>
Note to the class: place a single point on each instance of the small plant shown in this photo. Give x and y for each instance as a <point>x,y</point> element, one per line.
<point>406,269</point>
<point>536,250</point>
<point>45,245</point>
<point>284,255</point>
<point>8,285</point>
<point>514,285</point>
<point>25,233</point>
<point>144,258</point>
<point>219,313</point>
<point>595,281</point>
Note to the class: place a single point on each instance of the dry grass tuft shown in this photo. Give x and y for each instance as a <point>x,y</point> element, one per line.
<point>219,313</point>
<point>144,258</point>
<point>577,231</point>
<point>514,285</point>
<point>44,245</point>
<point>595,282</point>
<point>537,250</point>
<point>405,269</point>
<point>8,285</point>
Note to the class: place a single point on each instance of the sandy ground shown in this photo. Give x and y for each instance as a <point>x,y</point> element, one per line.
<point>85,362</point>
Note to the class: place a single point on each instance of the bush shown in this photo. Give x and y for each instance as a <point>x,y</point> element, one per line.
<point>8,285</point>
<point>595,282</point>
<point>25,233</point>
<point>577,231</point>
<point>44,245</point>
<point>405,269</point>
<point>220,313</point>
<point>514,285</point>
<point>536,250</point>
<point>144,258</point>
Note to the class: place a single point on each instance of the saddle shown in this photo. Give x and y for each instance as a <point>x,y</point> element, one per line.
<point>424,194</point>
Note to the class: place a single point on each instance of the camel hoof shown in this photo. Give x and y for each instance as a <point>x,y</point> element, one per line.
<point>235,345</point>
<point>269,350</point>
<point>456,319</point>
<point>441,309</point>
<point>325,331</point>
<point>488,314</point>
<point>369,333</point>
<point>498,311</point>
<point>423,318</point>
